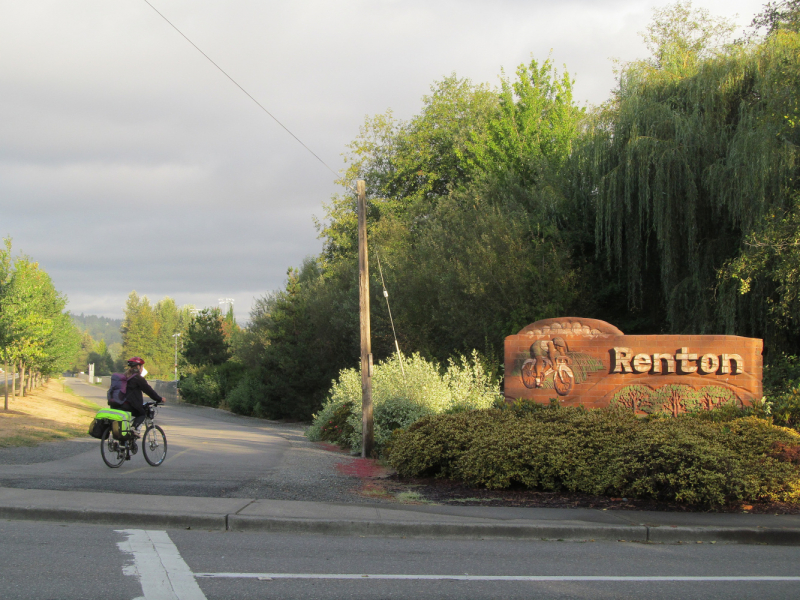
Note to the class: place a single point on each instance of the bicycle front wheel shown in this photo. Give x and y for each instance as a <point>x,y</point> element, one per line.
<point>154,445</point>
<point>112,451</point>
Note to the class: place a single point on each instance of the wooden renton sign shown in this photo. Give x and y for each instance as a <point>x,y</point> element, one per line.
<point>591,363</point>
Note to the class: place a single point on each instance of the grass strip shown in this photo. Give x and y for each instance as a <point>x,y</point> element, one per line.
<point>53,412</point>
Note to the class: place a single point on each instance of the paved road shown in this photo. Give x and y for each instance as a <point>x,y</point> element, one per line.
<point>211,454</point>
<point>84,561</point>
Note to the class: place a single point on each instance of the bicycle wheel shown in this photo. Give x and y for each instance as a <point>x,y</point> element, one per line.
<point>113,453</point>
<point>154,445</point>
<point>529,373</point>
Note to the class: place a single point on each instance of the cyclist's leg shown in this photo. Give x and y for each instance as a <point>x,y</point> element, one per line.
<point>138,412</point>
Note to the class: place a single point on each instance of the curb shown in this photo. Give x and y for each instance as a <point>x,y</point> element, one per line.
<point>737,535</point>
<point>111,517</point>
<point>565,532</point>
<point>438,530</point>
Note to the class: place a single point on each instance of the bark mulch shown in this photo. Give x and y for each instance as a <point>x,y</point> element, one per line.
<point>440,491</point>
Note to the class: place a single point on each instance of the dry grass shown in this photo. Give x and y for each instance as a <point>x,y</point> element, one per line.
<point>50,413</point>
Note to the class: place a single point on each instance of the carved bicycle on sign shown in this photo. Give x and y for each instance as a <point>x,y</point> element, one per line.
<point>551,366</point>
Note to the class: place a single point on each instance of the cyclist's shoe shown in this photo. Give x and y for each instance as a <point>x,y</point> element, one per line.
<point>137,434</point>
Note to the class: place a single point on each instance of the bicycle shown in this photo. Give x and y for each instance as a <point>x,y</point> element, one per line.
<point>116,448</point>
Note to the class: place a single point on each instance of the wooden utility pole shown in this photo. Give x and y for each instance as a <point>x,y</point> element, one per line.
<point>367,430</point>
<point>5,373</point>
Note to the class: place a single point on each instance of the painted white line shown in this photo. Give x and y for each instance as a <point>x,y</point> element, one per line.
<point>267,576</point>
<point>159,567</point>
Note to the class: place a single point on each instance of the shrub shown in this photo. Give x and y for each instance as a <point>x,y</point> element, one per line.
<point>398,400</point>
<point>210,386</point>
<point>782,390</point>
<point>201,388</point>
<point>338,429</point>
<point>781,374</point>
<point>247,398</point>
<point>604,452</point>
<point>785,408</point>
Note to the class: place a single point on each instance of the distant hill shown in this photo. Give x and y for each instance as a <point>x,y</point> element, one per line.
<point>100,328</point>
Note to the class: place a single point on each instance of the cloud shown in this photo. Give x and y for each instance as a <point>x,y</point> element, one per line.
<point>127,161</point>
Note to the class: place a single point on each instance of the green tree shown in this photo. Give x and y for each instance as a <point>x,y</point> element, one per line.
<point>138,327</point>
<point>170,319</point>
<point>101,358</point>
<point>531,132</point>
<point>38,335</point>
<point>147,332</point>
<point>5,323</point>
<point>680,37</point>
<point>482,267</point>
<point>408,166</point>
<point>205,343</point>
<point>778,16</point>
<point>682,166</point>
<point>300,337</point>
<point>81,358</point>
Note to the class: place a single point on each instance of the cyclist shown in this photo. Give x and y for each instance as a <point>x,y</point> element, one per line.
<point>134,403</point>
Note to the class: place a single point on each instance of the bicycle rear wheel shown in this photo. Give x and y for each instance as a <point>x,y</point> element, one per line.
<point>113,453</point>
<point>154,445</point>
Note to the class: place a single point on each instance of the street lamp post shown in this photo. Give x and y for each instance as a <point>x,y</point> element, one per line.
<point>176,336</point>
<point>226,301</point>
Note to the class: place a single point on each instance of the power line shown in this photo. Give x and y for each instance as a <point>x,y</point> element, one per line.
<point>261,106</point>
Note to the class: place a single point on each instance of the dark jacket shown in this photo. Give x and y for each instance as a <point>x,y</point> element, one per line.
<point>133,394</point>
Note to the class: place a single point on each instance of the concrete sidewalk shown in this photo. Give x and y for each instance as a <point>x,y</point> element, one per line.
<point>399,520</point>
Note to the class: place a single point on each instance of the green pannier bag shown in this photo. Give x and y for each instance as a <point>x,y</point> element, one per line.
<point>120,421</point>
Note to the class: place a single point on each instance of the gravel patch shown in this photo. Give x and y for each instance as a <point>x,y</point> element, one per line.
<point>308,470</point>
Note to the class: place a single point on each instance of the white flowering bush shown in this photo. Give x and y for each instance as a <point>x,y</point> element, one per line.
<point>398,400</point>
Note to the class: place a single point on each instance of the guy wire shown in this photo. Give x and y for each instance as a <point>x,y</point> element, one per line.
<point>391,320</point>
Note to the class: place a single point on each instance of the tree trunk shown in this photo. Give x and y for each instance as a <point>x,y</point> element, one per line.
<point>22,379</point>
<point>5,388</point>
<point>14,380</point>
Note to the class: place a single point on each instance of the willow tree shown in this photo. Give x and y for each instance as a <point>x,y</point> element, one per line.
<point>695,150</point>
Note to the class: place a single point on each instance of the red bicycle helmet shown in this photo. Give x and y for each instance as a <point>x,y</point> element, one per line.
<point>135,361</point>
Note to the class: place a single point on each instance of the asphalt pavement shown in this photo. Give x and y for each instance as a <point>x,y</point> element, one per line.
<point>231,473</point>
<point>78,561</point>
<point>211,453</point>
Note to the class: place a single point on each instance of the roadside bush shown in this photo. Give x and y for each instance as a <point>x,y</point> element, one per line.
<point>398,401</point>
<point>604,452</point>
<point>338,428</point>
<point>785,408</point>
<point>247,398</point>
<point>210,386</point>
<point>782,390</point>
<point>201,388</point>
<point>781,374</point>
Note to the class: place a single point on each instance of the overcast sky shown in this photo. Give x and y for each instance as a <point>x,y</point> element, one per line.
<point>128,162</point>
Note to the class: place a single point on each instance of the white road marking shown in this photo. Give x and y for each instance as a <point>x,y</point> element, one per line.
<point>270,576</point>
<point>159,567</point>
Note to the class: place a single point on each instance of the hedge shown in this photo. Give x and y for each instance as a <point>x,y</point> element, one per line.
<point>605,452</point>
